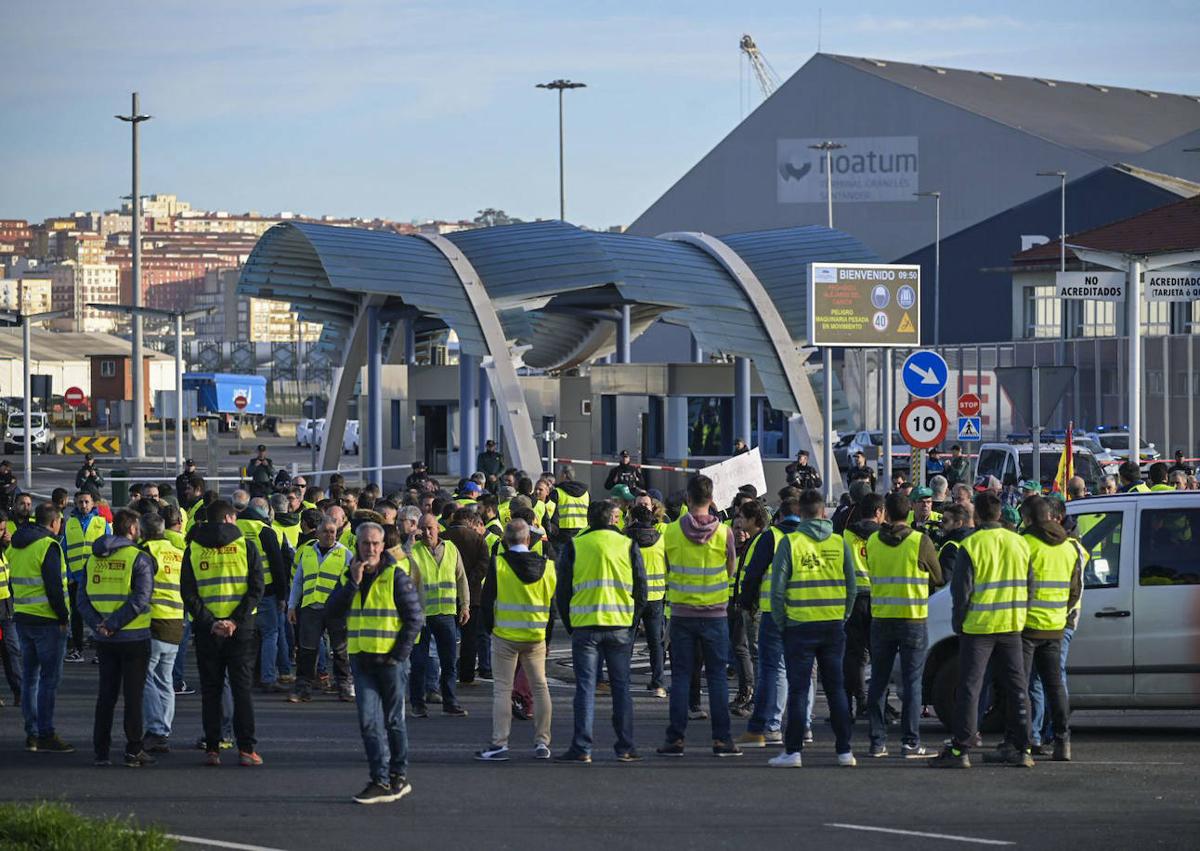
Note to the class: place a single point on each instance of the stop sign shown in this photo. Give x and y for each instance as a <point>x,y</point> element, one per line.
<point>74,397</point>
<point>968,405</point>
<point>240,402</point>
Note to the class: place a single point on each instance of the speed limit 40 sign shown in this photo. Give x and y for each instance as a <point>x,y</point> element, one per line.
<point>923,424</point>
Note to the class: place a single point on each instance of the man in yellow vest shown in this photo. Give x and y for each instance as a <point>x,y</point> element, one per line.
<point>320,565</point>
<point>571,501</point>
<point>166,629</point>
<point>903,567</point>
<point>864,520</point>
<point>1057,586</point>
<point>990,589</point>
<point>517,595</point>
<point>765,726</point>
<point>813,587</point>
<point>447,607</point>
<point>1131,478</point>
<point>701,559</point>
<point>254,519</point>
<point>10,646</point>
<point>601,588</point>
<point>643,530</point>
<point>38,575</point>
<point>384,616</point>
<point>222,585</point>
<point>81,529</point>
<point>115,604</point>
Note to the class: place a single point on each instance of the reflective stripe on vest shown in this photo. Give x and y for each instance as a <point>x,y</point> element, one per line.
<point>438,578</point>
<point>221,575</point>
<point>572,510</point>
<point>80,540</point>
<point>816,590</point>
<point>1052,569</point>
<point>110,582</point>
<point>321,573</point>
<point>522,610</point>
<point>900,588</point>
<point>166,603</point>
<point>373,625</point>
<point>696,573</point>
<point>602,589</point>
<point>998,600</point>
<point>654,557</point>
<point>25,574</point>
<point>252,529</point>
<point>5,591</point>
<point>858,554</point>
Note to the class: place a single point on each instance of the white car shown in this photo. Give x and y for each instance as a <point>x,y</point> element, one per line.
<point>1016,459</point>
<point>1137,645</point>
<point>350,437</point>
<point>1108,461</point>
<point>1117,442</point>
<point>305,430</point>
<point>870,443</point>
<point>41,435</point>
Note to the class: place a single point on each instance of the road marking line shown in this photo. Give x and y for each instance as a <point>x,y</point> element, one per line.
<point>1119,762</point>
<point>218,843</point>
<point>949,836</point>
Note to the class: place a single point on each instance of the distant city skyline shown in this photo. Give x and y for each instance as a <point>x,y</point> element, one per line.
<point>412,110</point>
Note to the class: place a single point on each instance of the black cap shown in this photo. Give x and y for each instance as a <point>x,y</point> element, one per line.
<point>188,462</point>
<point>624,451</point>
<point>262,447</point>
<point>418,464</point>
<point>800,452</point>
<point>489,443</point>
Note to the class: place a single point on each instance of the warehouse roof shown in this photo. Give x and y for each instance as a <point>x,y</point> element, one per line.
<point>66,345</point>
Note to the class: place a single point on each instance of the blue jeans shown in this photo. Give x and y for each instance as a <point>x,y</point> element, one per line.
<point>910,641</point>
<point>442,632</point>
<point>713,637</point>
<point>158,699</point>
<point>770,686</point>
<point>42,651</point>
<point>589,646</point>
<point>380,700</point>
<point>1041,727</point>
<point>177,678</point>
<point>270,622</point>
<point>826,643</point>
<point>485,652</point>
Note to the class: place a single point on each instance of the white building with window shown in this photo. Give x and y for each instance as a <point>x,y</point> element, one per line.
<point>74,285</point>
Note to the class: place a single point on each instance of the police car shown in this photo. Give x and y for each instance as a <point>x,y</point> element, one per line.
<point>1015,459</point>
<point>1137,645</point>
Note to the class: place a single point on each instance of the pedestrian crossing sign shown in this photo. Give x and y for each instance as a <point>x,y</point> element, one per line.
<point>970,428</point>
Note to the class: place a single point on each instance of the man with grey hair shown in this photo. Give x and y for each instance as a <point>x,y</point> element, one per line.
<point>240,499</point>
<point>517,596</point>
<point>320,565</point>
<point>286,524</point>
<point>939,486</point>
<point>254,519</point>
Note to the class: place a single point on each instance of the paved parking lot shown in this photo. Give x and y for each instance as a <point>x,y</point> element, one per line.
<point>1134,783</point>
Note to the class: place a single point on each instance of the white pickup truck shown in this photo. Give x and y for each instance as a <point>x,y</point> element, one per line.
<point>1138,641</point>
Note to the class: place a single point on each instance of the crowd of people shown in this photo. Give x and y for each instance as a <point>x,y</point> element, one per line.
<point>395,603</point>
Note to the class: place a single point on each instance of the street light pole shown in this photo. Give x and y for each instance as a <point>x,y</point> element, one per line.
<point>1062,232</point>
<point>828,147</point>
<point>561,86</point>
<point>937,263</point>
<point>139,391</point>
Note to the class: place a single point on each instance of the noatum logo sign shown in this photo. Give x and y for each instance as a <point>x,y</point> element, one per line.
<point>875,168</point>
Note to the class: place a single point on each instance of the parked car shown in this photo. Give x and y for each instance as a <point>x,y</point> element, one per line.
<point>1016,460</point>
<point>841,451</point>
<point>1108,461</point>
<point>305,430</point>
<point>1117,442</point>
<point>350,437</point>
<point>871,445</point>
<point>41,435</point>
<point>1138,641</point>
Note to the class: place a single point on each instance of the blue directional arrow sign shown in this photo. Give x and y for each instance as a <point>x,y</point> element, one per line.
<point>925,374</point>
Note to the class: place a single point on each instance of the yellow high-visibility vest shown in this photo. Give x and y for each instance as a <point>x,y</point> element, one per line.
<point>900,589</point>
<point>374,624</point>
<point>110,581</point>
<point>438,578</point>
<point>602,580</point>
<point>166,603</point>
<point>25,574</point>
<point>80,540</point>
<point>572,510</point>
<point>696,573</point>
<point>1052,569</point>
<point>222,575</point>
<point>999,599</point>
<point>522,609</point>
<point>816,590</point>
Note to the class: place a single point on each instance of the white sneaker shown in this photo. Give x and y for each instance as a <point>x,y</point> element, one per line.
<point>492,753</point>
<point>541,751</point>
<point>847,760</point>
<point>785,760</point>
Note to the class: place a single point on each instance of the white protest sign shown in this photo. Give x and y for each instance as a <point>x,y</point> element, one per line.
<point>732,473</point>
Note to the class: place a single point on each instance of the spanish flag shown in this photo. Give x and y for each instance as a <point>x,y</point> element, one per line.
<point>1066,464</point>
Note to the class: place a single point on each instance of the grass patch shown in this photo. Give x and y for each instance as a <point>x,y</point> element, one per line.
<point>42,826</point>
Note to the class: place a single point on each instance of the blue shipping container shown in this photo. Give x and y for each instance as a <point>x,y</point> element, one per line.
<point>217,390</point>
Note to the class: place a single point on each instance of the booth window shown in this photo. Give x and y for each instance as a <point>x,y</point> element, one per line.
<point>710,425</point>
<point>108,369</point>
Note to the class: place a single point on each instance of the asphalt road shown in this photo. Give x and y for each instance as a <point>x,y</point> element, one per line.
<point>1133,783</point>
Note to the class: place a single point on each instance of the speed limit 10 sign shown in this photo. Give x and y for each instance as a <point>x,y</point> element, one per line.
<point>923,424</point>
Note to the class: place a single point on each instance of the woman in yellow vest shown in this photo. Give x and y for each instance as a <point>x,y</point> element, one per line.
<point>517,595</point>
<point>383,618</point>
<point>115,603</point>
<point>447,607</point>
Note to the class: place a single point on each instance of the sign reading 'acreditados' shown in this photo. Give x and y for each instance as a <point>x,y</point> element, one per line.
<point>1177,283</point>
<point>864,304</point>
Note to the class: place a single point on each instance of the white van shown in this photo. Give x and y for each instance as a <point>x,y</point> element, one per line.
<point>1138,641</point>
<point>41,436</point>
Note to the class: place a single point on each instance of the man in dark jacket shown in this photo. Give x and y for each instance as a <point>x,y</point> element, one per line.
<point>859,471</point>
<point>254,520</point>
<point>626,474</point>
<point>958,467</point>
<point>181,481</point>
<point>222,585</point>
<point>864,523</point>
<point>417,478</point>
<point>115,604</point>
<point>8,485</point>
<point>466,533</point>
<point>88,477</point>
<point>801,474</point>
<point>490,462</point>
<point>379,658</point>
<point>957,523</point>
<point>38,571</point>
<point>261,471</point>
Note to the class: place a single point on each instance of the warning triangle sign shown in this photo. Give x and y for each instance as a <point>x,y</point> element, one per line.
<point>906,326</point>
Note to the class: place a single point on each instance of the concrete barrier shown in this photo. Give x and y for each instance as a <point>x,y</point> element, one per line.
<point>283,429</point>
<point>246,431</point>
<point>199,429</point>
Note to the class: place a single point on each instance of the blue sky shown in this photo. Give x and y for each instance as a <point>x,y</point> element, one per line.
<point>407,109</point>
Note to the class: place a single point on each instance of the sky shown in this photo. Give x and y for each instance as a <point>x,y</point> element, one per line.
<point>415,110</point>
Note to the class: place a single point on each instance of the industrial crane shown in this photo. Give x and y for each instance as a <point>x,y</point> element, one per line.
<point>768,80</point>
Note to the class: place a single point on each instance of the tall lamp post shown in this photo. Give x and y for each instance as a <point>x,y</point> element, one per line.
<point>561,86</point>
<point>177,317</point>
<point>937,263</point>
<point>828,147</point>
<point>1062,234</point>
<point>26,321</point>
<point>134,118</point>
